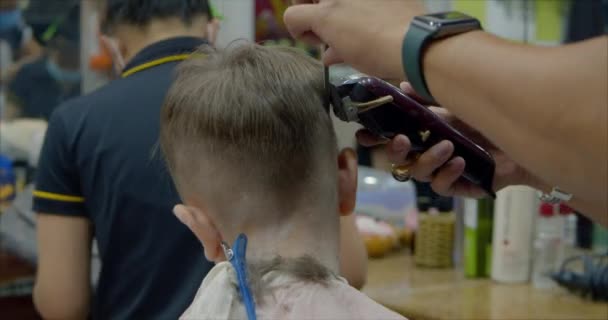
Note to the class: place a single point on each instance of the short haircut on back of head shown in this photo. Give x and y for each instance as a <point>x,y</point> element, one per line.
<point>257,114</point>
<point>141,12</point>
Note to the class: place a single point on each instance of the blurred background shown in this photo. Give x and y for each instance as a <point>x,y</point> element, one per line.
<point>430,257</point>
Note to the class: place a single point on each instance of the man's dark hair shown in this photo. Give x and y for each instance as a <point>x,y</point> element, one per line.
<point>141,12</point>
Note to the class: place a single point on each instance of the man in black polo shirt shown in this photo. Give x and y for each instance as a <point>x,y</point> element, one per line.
<point>42,85</point>
<point>100,176</point>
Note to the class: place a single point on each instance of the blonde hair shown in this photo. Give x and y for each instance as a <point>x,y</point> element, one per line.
<point>253,116</point>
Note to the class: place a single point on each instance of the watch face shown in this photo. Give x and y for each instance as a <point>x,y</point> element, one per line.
<point>452,15</point>
<point>447,22</point>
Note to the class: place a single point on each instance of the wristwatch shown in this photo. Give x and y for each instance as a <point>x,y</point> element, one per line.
<point>422,31</point>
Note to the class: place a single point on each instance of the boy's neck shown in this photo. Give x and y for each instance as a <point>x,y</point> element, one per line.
<point>294,239</point>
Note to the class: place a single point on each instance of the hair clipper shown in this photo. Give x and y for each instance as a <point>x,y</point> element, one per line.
<point>386,111</point>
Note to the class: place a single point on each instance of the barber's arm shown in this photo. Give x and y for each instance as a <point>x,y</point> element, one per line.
<point>548,106</point>
<point>64,232</point>
<point>62,288</point>
<point>544,107</point>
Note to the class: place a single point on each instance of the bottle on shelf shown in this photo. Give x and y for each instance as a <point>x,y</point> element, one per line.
<point>547,245</point>
<point>568,243</point>
<point>600,239</point>
<point>478,215</point>
<point>514,217</point>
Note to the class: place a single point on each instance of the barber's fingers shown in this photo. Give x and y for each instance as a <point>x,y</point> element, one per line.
<point>398,150</point>
<point>368,139</point>
<point>448,181</point>
<point>443,113</point>
<point>331,56</point>
<point>407,88</point>
<point>302,1</point>
<point>294,2</point>
<point>310,38</point>
<point>431,160</point>
<point>300,22</point>
<point>445,180</point>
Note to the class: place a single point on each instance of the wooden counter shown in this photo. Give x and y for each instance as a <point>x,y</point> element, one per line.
<point>397,283</point>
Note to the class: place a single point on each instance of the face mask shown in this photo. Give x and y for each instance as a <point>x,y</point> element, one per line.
<point>10,19</point>
<point>112,46</point>
<point>62,75</point>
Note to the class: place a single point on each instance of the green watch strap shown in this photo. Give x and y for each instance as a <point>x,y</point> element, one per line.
<point>411,57</point>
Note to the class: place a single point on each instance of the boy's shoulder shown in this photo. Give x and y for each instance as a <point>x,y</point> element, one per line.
<point>335,299</point>
<point>288,299</point>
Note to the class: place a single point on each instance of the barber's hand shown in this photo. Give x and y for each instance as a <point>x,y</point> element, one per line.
<point>433,165</point>
<point>366,34</point>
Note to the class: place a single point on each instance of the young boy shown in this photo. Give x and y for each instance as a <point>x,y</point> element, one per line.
<point>252,150</point>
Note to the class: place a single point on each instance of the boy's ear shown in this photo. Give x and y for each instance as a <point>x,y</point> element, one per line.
<point>203,228</point>
<point>347,181</point>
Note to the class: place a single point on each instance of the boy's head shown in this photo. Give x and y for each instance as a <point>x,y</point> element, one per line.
<point>250,145</point>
